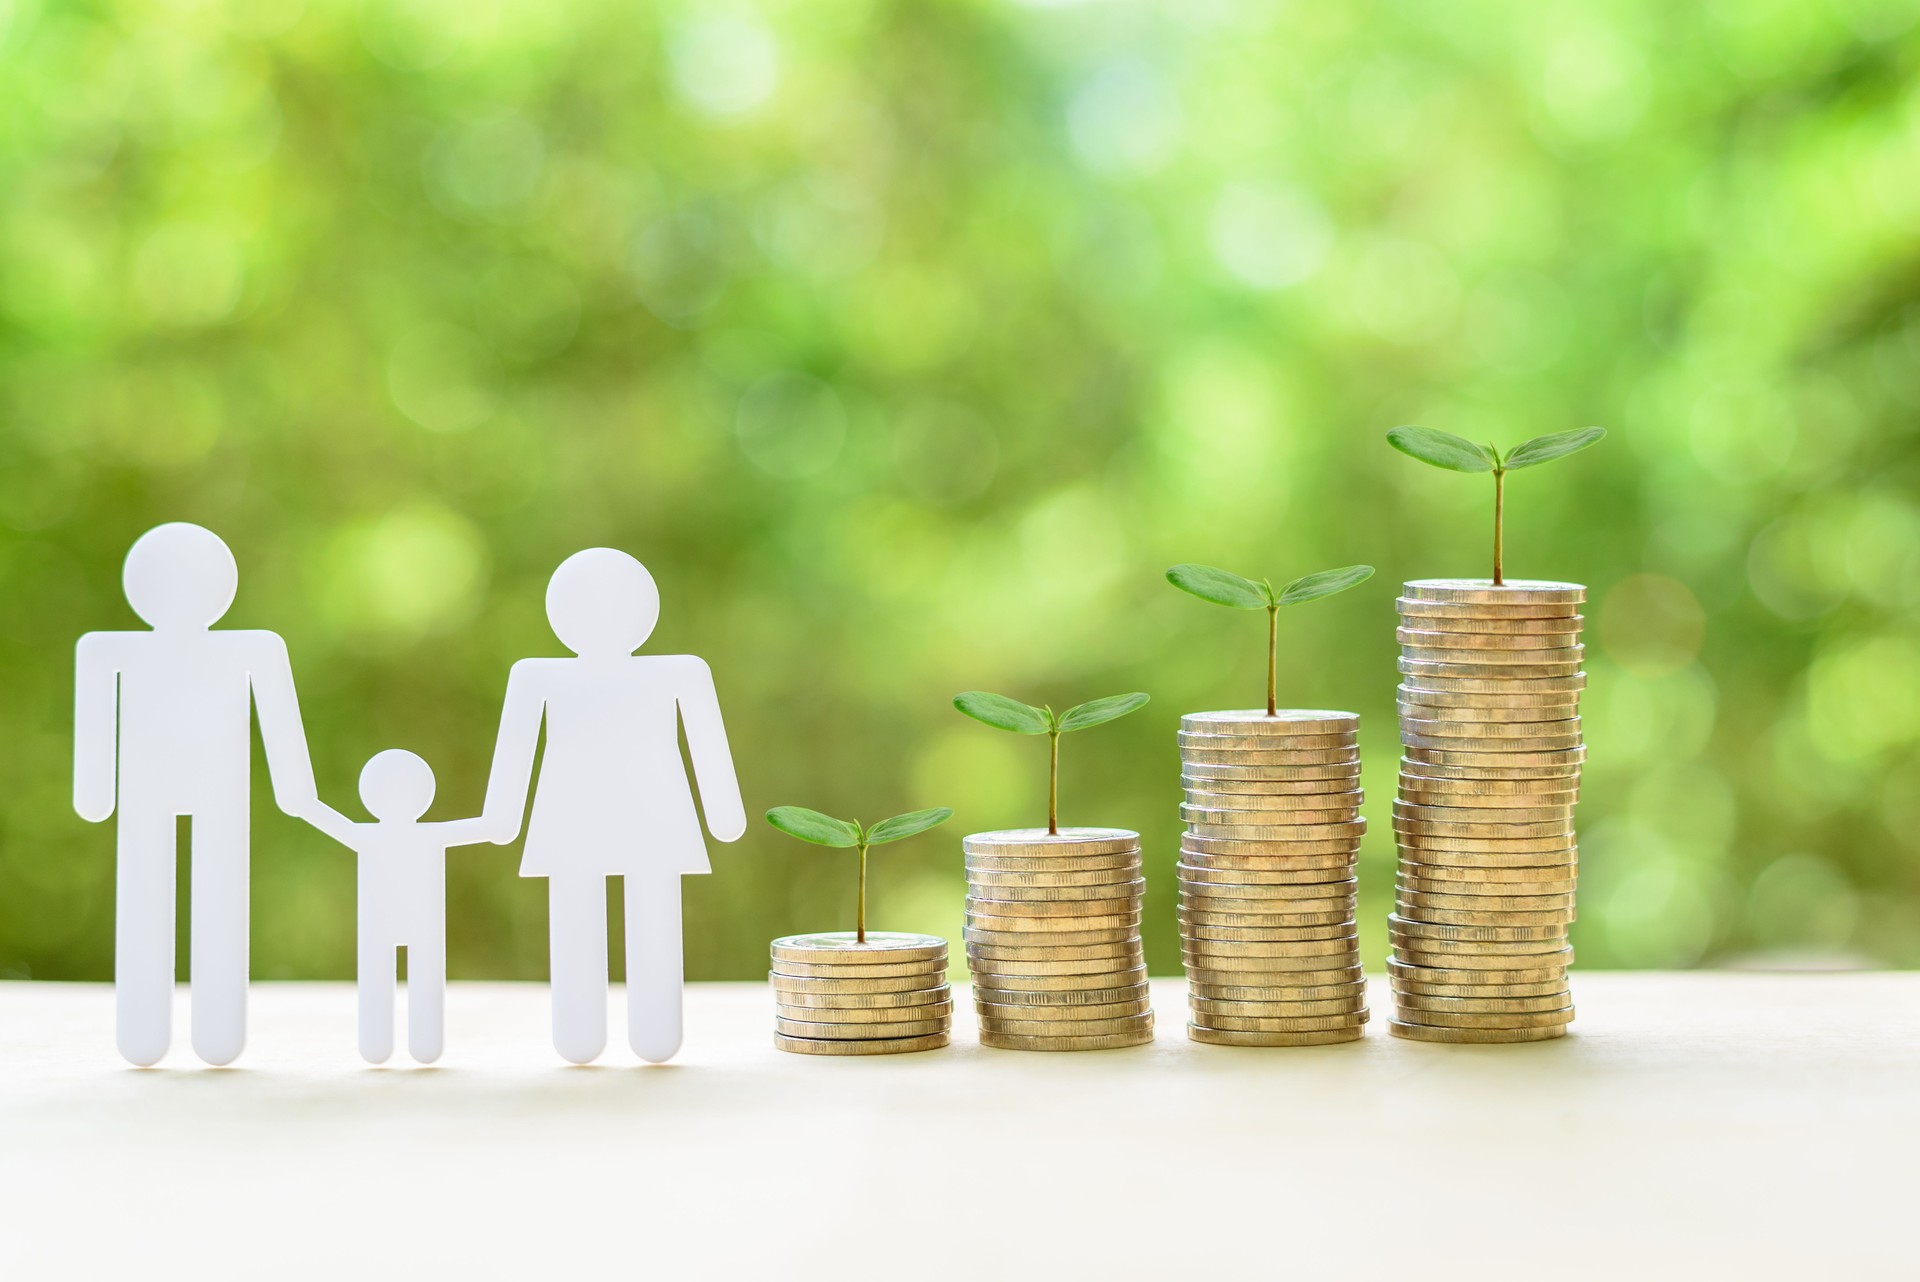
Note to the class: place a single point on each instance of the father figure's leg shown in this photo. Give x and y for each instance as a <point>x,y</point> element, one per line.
<point>656,965</point>
<point>577,952</point>
<point>143,934</point>
<point>217,966</point>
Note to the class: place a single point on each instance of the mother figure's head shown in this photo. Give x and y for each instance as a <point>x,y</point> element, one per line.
<point>602,602</point>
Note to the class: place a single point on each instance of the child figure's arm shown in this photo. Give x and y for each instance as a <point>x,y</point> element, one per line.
<point>330,821</point>
<point>462,832</point>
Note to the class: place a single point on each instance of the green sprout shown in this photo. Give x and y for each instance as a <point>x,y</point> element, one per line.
<point>825,830</point>
<point>1003,713</point>
<point>1223,587</point>
<point>1458,454</point>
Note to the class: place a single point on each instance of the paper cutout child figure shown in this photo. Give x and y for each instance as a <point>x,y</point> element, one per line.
<point>612,797</point>
<point>161,732</point>
<point>402,899</point>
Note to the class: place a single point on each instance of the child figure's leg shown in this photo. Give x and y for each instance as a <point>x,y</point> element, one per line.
<point>426,996</point>
<point>377,963</point>
<point>655,966</point>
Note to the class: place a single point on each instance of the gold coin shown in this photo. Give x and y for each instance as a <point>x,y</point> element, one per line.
<point>1198,897</point>
<point>1496,1019</point>
<point>1055,952</point>
<point>866,1015</point>
<point>1504,969</point>
<point>1344,741</point>
<point>1479,592</point>
<point>1244,884</point>
<point>1418,812</point>
<point>1319,966</point>
<point>1283,1023</point>
<point>1496,853</point>
<point>1545,714</point>
<point>1423,694</point>
<point>993,966</point>
<point>1345,990</point>
<point>1483,1036</point>
<point>1202,817</point>
<point>1002,923</point>
<point>1192,770</point>
<point>1033,842</point>
<point>1074,880</point>
<point>1507,625</point>
<point>932,969</point>
<point>1443,678</point>
<point>1551,890</point>
<point>1491,746</point>
<point>1431,639</point>
<point>921,997</point>
<point>1287,721</point>
<point>1421,948</point>
<point>1117,978</point>
<point>1503,919</point>
<point>1540,988</point>
<point>878,1046</point>
<point>1226,1037</point>
<point>1012,1042</point>
<point>1245,985</point>
<point>1271,792</point>
<point>1562,771</point>
<point>1267,756</point>
<point>1068,997</point>
<point>1438,779</point>
<point>850,1032</point>
<point>1492,932</point>
<point>1490,728</point>
<point>1497,673</point>
<point>876,984</point>
<point>1204,1006</point>
<point>1520,662</point>
<point>1454,900</point>
<point>1118,1026</point>
<point>1492,613</point>
<point>1221,918</point>
<point>1054,897</point>
<point>1561,802</point>
<point>1350,830</point>
<point>1203,949</point>
<point>1562,829</point>
<point>1494,879</point>
<point>1116,864</point>
<point>1297,853</point>
<point>1050,939</point>
<point>1003,1014</point>
<point>1284,876</point>
<point>1268,934</point>
<point>1282,802</point>
<point>1492,1005</point>
<point>842,947</point>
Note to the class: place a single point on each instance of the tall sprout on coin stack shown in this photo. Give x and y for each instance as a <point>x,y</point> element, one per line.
<point>1053,914</point>
<point>1489,702</point>
<point>859,992</point>
<point>1267,864</point>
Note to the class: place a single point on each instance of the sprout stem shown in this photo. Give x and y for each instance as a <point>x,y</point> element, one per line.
<point>1053,783</point>
<point>860,913</point>
<point>1273,660</point>
<point>1499,522</point>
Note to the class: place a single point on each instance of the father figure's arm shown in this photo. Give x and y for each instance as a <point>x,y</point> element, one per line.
<point>96,724</point>
<point>288,765</point>
<point>707,743</point>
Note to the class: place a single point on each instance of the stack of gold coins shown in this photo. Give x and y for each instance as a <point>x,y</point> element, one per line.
<point>1267,877</point>
<point>837,994</point>
<point>1053,939</point>
<point>1490,728</point>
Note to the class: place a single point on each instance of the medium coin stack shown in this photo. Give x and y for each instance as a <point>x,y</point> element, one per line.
<point>1267,877</point>
<point>836,994</point>
<point>1490,733</point>
<point>1053,939</point>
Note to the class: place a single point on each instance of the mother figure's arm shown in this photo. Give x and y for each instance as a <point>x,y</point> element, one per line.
<point>707,745</point>
<point>513,751</point>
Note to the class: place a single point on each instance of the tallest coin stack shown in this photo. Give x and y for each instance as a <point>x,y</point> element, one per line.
<point>1489,722</point>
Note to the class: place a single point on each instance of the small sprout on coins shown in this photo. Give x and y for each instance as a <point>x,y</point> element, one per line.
<point>825,830</point>
<point>1458,454</point>
<point>1223,587</point>
<point>1002,713</point>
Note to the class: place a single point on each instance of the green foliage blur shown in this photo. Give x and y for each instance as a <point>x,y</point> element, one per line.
<point>909,341</point>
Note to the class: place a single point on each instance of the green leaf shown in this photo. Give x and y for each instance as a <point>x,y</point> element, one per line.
<point>811,825</point>
<point>1003,713</point>
<point>1312,587</point>
<point>1545,449</point>
<point>1441,449</point>
<point>907,825</point>
<point>1100,711</point>
<point>1222,587</point>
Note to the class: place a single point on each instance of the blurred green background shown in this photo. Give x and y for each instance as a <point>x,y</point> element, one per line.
<point>907,342</point>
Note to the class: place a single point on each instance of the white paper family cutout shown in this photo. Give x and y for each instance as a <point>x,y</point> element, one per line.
<point>161,731</point>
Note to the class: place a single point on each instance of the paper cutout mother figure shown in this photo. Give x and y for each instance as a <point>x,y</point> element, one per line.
<point>612,798</point>
<point>161,730</point>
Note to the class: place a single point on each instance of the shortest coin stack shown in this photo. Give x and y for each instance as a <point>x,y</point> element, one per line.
<point>840,995</point>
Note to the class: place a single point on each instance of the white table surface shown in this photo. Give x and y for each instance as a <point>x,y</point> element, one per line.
<point>1695,1125</point>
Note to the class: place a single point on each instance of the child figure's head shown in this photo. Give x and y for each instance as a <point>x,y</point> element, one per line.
<point>396,784</point>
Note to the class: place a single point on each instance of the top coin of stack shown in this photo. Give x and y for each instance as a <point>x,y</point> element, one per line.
<point>1490,726</point>
<point>837,994</point>
<point>1053,939</point>
<point>1272,805</point>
